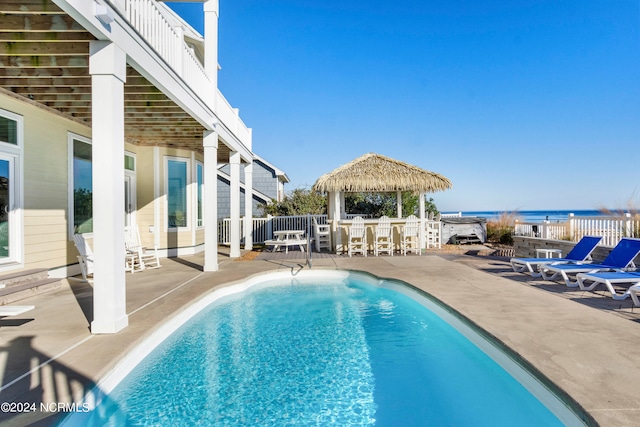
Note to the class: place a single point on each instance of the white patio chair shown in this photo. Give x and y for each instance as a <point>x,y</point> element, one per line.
<point>357,237</point>
<point>139,257</point>
<point>410,236</point>
<point>85,259</point>
<point>322,235</point>
<point>383,240</point>
<point>434,230</point>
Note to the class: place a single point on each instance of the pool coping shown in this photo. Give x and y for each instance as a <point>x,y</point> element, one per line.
<point>495,348</point>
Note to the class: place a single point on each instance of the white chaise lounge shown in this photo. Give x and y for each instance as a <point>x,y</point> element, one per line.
<point>580,253</point>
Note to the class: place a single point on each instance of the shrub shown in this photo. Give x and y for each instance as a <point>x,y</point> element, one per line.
<point>501,230</point>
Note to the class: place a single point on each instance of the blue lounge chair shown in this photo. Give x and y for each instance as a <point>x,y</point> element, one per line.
<point>580,253</point>
<point>620,257</point>
<point>589,281</point>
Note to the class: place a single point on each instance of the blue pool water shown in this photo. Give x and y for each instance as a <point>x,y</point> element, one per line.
<point>318,352</point>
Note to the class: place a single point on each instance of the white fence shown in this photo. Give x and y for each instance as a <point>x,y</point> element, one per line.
<point>263,228</point>
<point>612,229</point>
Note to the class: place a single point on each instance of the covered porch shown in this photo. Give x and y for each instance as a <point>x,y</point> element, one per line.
<point>145,106</point>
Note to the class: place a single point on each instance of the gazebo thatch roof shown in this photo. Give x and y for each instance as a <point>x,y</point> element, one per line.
<point>375,173</point>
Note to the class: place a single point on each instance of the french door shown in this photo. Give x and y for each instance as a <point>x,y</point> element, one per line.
<point>10,249</point>
<point>129,199</point>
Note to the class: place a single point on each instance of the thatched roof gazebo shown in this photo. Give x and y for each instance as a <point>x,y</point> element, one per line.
<point>378,174</point>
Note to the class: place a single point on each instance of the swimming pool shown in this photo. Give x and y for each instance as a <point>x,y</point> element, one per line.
<point>323,347</point>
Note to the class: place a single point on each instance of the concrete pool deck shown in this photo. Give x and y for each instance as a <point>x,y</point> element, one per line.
<point>584,342</point>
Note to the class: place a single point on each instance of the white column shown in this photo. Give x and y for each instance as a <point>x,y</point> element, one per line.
<point>211,9</point>
<point>399,203</point>
<point>423,223</point>
<point>234,199</point>
<point>210,196</point>
<point>334,215</point>
<point>107,66</point>
<point>336,206</point>
<point>248,206</point>
<point>343,206</point>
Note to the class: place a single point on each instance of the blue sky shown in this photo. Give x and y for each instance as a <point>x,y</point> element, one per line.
<point>521,104</point>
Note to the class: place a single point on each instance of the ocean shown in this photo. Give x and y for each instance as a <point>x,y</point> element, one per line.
<point>534,216</point>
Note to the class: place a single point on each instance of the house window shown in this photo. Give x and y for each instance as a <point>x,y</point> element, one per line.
<point>8,130</point>
<point>199,180</point>
<point>82,185</point>
<point>11,232</point>
<point>176,188</point>
<point>129,163</point>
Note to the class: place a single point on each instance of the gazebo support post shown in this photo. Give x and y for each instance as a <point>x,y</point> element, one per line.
<point>334,215</point>
<point>399,203</point>
<point>422,220</point>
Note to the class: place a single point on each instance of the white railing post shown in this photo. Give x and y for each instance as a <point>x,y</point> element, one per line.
<point>180,53</point>
<point>628,232</point>
<point>572,227</point>
<point>546,230</point>
<point>269,227</point>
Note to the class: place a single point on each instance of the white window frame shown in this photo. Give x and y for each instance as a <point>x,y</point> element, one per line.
<point>133,174</point>
<point>199,164</point>
<point>70,206</point>
<point>189,196</point>
<point>14,153</point>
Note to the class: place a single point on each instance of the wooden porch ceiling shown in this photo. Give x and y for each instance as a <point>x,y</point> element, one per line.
<point>44,57</point>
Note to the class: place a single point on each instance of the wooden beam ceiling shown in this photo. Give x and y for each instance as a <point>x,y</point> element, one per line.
<point>44,57</point>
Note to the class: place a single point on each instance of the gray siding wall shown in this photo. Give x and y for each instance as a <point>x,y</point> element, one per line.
<point>224,201</point>
<point>264,180</point>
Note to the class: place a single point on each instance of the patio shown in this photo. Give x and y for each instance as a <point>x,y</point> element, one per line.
<point>581,341</point>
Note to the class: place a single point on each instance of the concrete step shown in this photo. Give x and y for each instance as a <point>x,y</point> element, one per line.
<point>25,290</point>
<point>24,284</point>
<point>24,276</point>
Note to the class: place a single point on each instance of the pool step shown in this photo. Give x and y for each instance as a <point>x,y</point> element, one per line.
<point>25,284</point>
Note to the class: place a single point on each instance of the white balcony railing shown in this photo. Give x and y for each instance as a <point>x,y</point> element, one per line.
<point>168,42</point>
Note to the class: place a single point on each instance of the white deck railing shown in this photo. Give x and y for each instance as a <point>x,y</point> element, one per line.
<point>612,229</point>
<point>263,228</point>
<point>168,42</point>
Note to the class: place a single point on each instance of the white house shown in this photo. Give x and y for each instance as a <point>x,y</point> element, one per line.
<point>95,94</point>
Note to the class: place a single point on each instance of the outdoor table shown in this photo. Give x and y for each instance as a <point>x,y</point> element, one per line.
<point>548,253</point>
<point>287,238</point>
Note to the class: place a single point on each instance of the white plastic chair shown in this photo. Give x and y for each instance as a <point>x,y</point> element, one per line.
<point>434,230</point>
<point>357,237</point>
<point>410,236</point>
<point>85,259</point>
<point>139,257</point>
<point>383,240</point>
<point>322,235</point>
